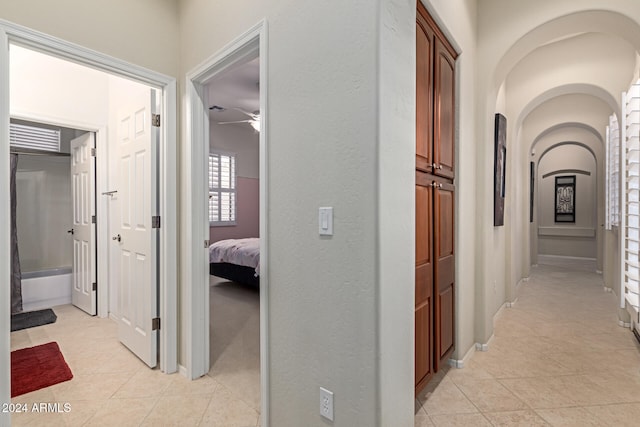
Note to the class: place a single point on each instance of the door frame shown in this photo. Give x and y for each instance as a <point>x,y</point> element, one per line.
<point>19,35</point>
<point>196,275</point>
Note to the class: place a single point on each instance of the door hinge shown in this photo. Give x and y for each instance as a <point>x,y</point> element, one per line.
<point>94,286</point>
<point>93,219</point>
<point>155,120</point>
<point>206,243</point>
<point>155,324</point>
<point>155,221</point>
<point>93,152</point>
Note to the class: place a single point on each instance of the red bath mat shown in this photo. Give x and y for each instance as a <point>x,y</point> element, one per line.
<point>37,367</point>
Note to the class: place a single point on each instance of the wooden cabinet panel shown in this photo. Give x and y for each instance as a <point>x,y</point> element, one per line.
<point>444,272</point>
<point>423,286</point>
<point>435,159</point>
<point>424,346</point>
<point>423,226</point>
<point>444,111</point>
<point>424,95</point>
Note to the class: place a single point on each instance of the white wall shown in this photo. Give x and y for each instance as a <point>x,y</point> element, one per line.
<point>322,298</point>
<point>242,140</point>
<point>143,32</point>
<point>47,89</point>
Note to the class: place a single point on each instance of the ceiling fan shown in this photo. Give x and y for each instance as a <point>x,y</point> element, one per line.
<point>253,120</point>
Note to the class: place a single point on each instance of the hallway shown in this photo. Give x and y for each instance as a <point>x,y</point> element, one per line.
<point>557,358</point>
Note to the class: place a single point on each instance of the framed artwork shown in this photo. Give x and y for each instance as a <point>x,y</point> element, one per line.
<point>499,169</point>
<point>532,181</point>
<point>565,198</point>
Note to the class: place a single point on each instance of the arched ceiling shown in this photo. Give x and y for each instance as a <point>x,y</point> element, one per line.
<point>593,21</point>
<point>568,71</point>
<point>572,110</point>
<point>574,80</point>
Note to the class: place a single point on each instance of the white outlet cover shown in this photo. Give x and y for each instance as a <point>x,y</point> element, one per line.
<point>326,403</point>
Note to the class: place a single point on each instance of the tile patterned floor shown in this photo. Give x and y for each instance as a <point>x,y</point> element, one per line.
<point>557,358</point>
<point>111,387</point>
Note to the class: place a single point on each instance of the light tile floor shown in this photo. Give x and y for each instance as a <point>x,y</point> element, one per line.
<point>111,387</point>
<point>558,358</point>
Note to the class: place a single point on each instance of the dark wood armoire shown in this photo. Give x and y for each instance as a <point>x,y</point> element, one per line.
<point>435,197</point>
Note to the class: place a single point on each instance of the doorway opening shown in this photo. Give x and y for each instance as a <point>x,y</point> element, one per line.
<point>62,111</point>
<point>57,92</point>
<point>208,127</point>
<point>234,233</point>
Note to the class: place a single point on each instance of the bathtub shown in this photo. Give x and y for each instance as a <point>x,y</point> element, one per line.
<point>46,288</point>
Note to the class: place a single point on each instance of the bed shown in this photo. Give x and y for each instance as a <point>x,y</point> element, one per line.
<point>237,260</point>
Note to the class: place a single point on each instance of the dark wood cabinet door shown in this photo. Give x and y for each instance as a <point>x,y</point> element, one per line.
<point>423,284</point>
<point>444,111</point>
<point>424,95</point>
<point>444,273</point>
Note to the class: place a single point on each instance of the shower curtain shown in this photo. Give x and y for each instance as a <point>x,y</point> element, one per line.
<point>16,274</point>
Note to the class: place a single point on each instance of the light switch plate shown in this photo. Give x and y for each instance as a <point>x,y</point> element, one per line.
<point>325,221</point>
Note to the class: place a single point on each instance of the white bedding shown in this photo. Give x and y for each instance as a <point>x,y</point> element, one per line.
<point>244,252</point>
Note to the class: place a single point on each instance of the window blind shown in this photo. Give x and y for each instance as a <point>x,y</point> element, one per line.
<point>222,189</point>
<point>632,190</point>
<point>607,180</point>
<point>613,173</point>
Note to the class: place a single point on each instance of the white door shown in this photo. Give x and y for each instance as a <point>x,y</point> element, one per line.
<point>83,184</point>
<point>136,237</point>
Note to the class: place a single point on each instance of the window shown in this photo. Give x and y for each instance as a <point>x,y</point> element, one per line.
<point>222,189</point>
<point>612,216</point>
<point>631,221</point>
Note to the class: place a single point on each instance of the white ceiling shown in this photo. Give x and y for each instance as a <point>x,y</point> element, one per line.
<point>237,87</point>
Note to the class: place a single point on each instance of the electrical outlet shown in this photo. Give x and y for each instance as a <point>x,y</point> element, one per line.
<point>326,403</point>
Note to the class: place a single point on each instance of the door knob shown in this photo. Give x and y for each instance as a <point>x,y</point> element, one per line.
<point>70,231</point>
<point>118,238</point>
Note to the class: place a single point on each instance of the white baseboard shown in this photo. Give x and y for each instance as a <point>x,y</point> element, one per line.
<point>182,371</point>
<point>482,347</point>
<point>485,346</point>
<point>459,363</point>
<point>624,324</point>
